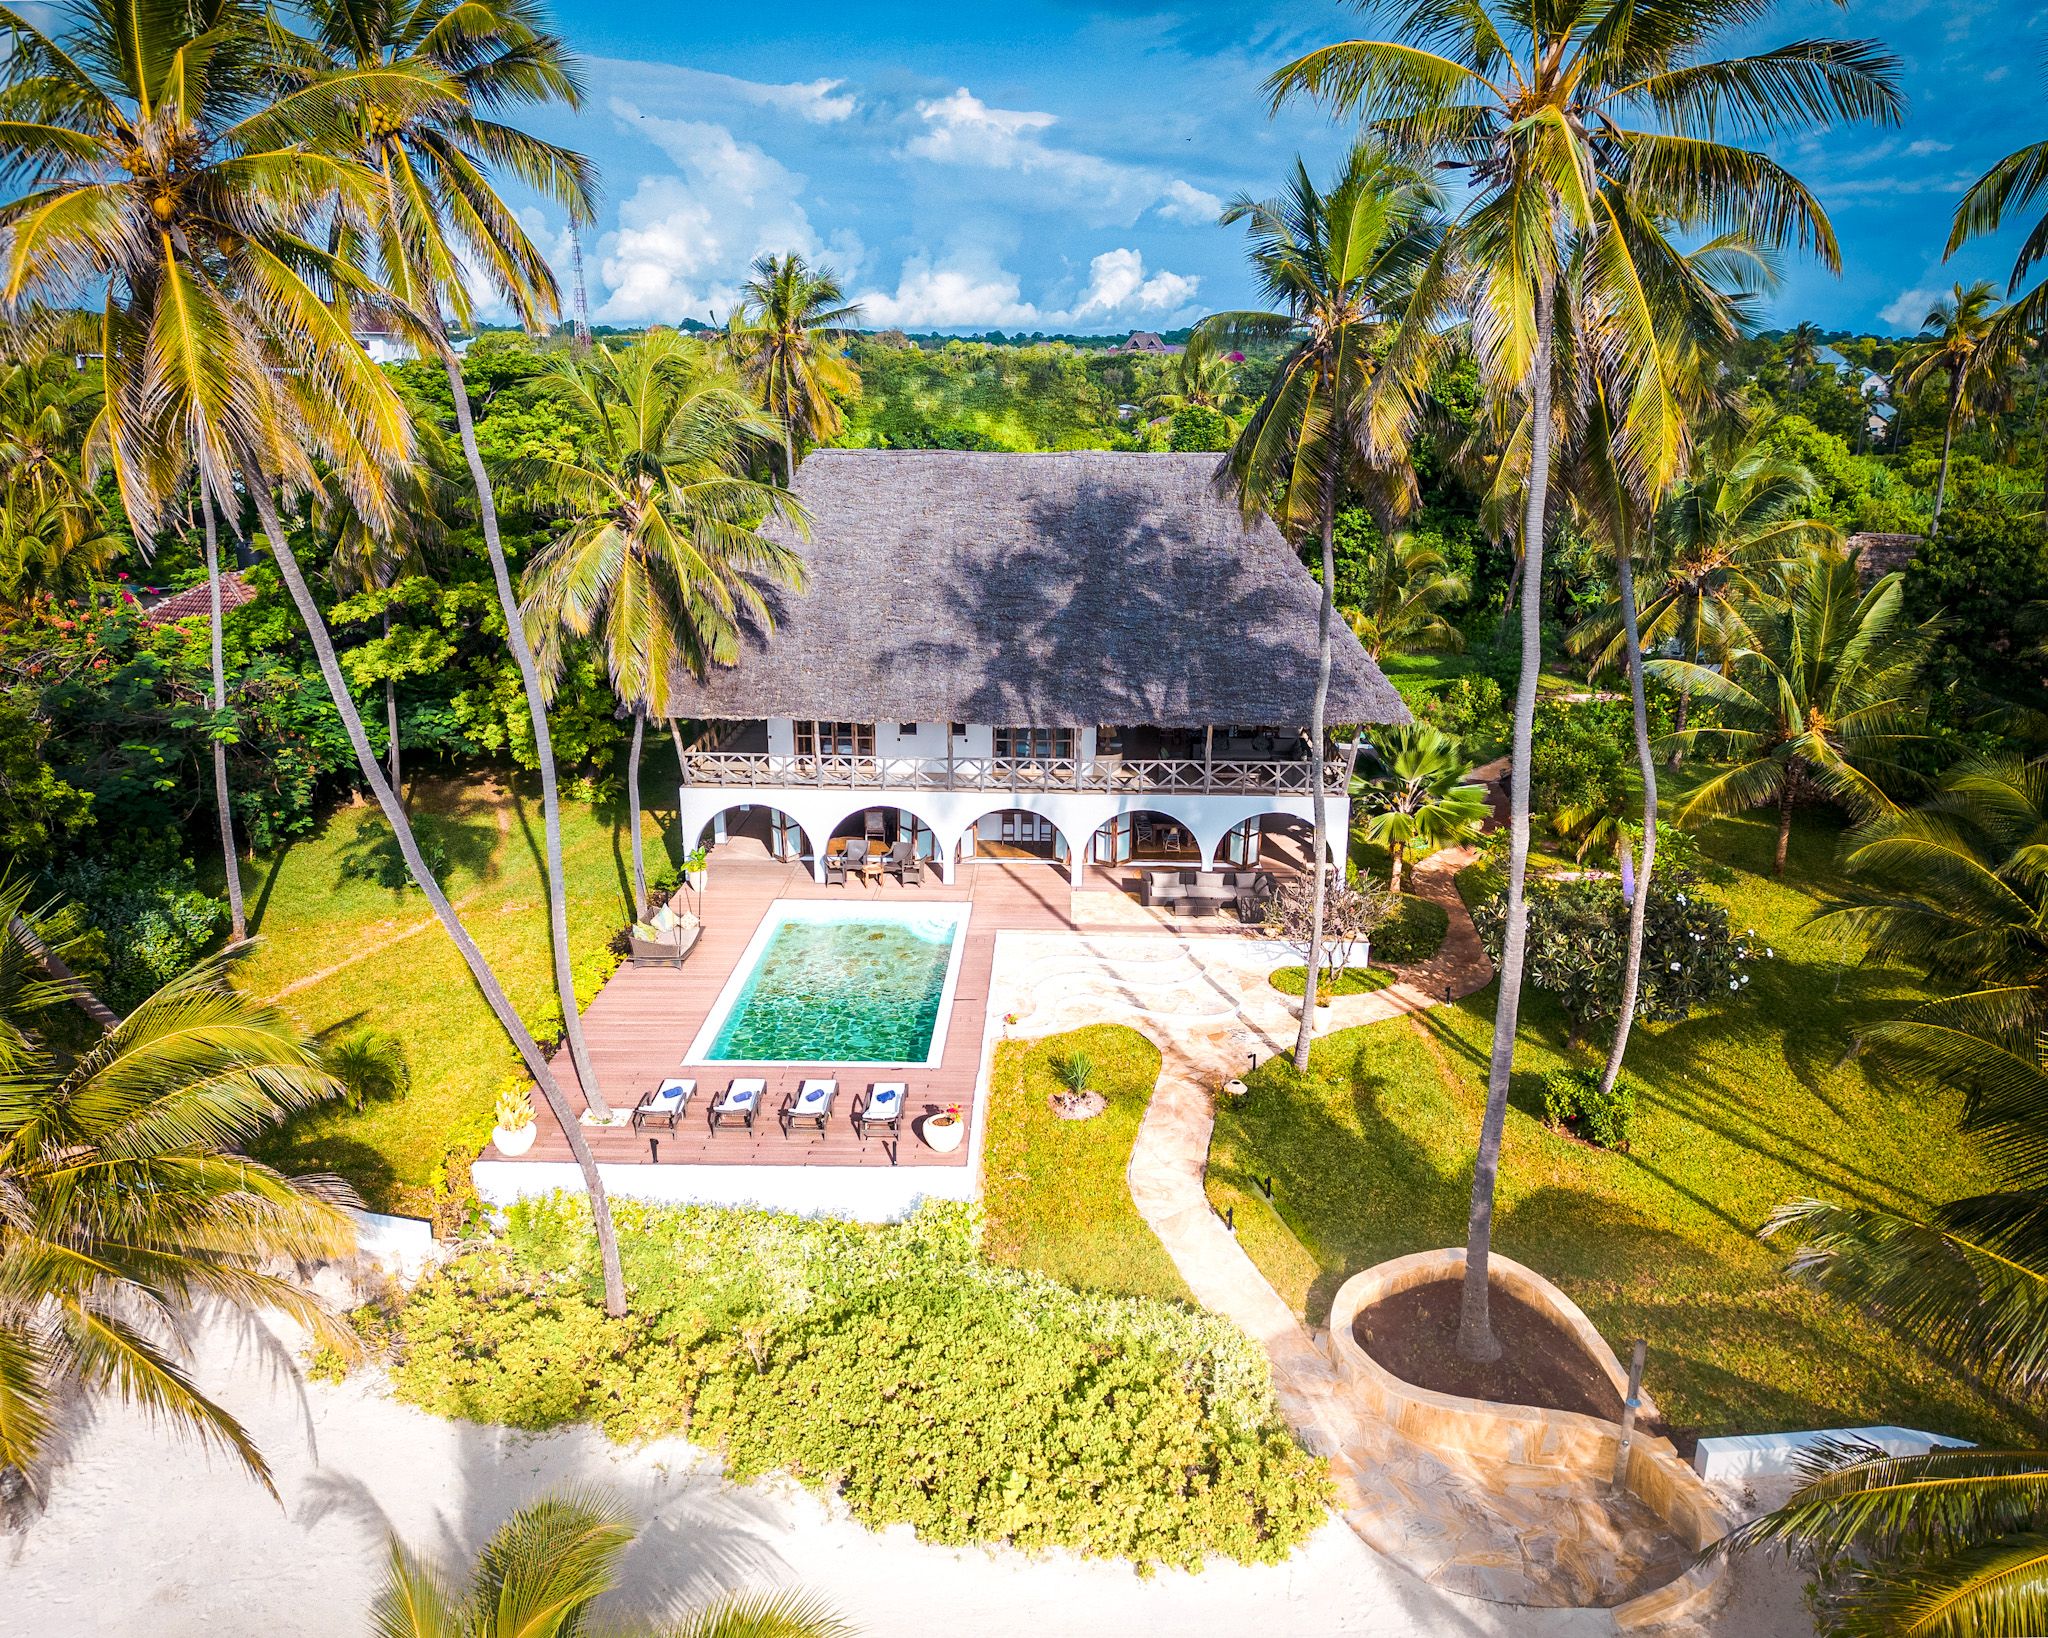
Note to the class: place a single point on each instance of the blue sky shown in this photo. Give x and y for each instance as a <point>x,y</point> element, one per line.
<point>1051,164</point>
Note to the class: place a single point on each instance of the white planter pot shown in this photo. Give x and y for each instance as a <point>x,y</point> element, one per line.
<point>941,1134</point>
<point>1234,1089</point>
<point>511,1143</point>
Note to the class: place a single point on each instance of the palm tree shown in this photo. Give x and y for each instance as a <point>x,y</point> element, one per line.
<point>1947,1543</point>
<point>786,337</point>
<point>1356,275</point>
<point>1821,702</point>
<point>1802,351</point>
<point>2011,186</point>
<point>1419,797</point>
<point>126,1199</point>
<point>542,1571</point>
<point>1203,374</point>
<point>1738,516</point>
<point>1572,127</point>
<point>52,540</point>
<point>1973,354</point>
<point>441,217</point>
<point>663,557</point>
<point>169,175</point>
<point>1403,611</point>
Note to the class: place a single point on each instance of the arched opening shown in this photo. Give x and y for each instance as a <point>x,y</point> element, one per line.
<point>1013,836</point>
<point>883,828</point>
<point>1144,837</point>
<point>1276,842</point>
<point>752,830</point>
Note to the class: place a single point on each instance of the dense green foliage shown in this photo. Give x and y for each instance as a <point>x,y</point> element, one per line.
<point>924,1383</point>
<point>1573,1102</point>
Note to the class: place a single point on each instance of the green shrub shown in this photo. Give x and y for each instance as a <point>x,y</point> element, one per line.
<point>149,922</point>
<point>929,1386</point>
<point>1415,933</point>
<point>1572,1101</point>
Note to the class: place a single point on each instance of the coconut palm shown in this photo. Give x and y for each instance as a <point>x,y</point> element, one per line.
<point>662,558</point>
<point>1739,515</point>
<point>1802,351</point>
<point>1418,796</point>
<point>124,1198</point>
<point>2012,186</point>
<point>443,227</point>
<point>173,176</point>
<point>1973,355</point>
<point>1356,274</point>
<point>1406,591</point>
<point>786,336</point>
<point>1202,373</point>
<point>1580,128</point>
<point>1820,702</point>
<point>542,1571</point>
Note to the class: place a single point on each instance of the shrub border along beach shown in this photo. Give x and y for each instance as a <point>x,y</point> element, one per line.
<point>893,1363</point>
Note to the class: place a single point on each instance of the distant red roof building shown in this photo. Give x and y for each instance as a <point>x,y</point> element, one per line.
<point>197,600</point>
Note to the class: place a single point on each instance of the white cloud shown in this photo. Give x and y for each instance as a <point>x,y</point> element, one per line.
<point>820,102</point>
<point>970,291</point>
<point>1184,202</point>
<point>961,129</point>
<point>1908,308</point>
<point>684,242</point>
<point>1926,146</point>
<point>1118,286</point>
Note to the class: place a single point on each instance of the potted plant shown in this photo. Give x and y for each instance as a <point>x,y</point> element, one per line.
<point>943,1131</point>
<point>693,866</point>
<point>515,1130</point>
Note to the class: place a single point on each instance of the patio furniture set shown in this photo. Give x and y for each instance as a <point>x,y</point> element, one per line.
<point>665,938</point>
<point>879,1110</point>
<point>1190,892</point>
<point>861,859</point>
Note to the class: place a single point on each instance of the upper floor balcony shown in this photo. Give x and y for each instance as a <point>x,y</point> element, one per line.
<point>1122,761</point>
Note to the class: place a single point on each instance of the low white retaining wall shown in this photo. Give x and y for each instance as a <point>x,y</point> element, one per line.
<point>866,1194</point>
<point>401,1246</point>
<point>1770,1455</point>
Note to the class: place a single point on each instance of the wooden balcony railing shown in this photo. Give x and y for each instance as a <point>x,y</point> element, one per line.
<point>1116,775</point>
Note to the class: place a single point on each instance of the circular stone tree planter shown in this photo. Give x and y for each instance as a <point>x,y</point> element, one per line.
<point>1582,1445</point>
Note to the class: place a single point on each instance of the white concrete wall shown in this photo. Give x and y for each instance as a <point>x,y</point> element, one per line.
<point>947,814</point>
<point>1769,1455</point>
<point>866,1194</point>
<point>926,739</point>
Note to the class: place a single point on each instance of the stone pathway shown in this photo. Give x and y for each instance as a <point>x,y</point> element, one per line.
<point>1512,1535</point>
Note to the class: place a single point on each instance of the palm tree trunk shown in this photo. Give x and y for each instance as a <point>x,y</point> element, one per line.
<point>1475,1327</point>
<point>59,969</point>
<point>408,845</point>
<point>788,454</point>
<point>391,712</point>
<point>1784,825</point>
<point>633,813</point>
<point>1646,761</point>
<point>1948,438</point>
<point>1316,711</point>
<point>1685,693</point>
<point>1394,880</point>
<point>238,925</point>
<point>543,742</point>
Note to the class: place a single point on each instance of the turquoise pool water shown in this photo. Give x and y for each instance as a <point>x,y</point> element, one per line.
<point>855,988</point>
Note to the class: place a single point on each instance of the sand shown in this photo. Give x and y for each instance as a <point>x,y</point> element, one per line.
<point>145,1533</point>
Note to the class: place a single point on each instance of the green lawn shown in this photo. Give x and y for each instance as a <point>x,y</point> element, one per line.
<point>1352,981</point>
<point>319,917</point>
<point>1054,1190</point>
<point>1744,1106</point>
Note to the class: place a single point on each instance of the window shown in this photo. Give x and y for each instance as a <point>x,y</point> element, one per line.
<point>906,730</point>
<point>835,738</point>
<point>1035,744</point>
<point>957,729</point>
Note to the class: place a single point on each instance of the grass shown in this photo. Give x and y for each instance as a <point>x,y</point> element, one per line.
<point>338,948</point>
<point>1054,1190</point>
<point>1743,1107</point>
<point>1351,981</point>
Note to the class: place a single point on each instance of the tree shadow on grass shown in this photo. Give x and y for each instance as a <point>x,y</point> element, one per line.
<point>452,844</point>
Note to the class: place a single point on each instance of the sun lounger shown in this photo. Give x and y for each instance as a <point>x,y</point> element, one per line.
<point>883,1109</point>
<point>811,1103</point>
<point>740,1101</point>
<point>664,1106</point>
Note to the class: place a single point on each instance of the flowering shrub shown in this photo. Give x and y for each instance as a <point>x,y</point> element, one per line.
<point>1573,1102</point>
<point>930,1387</point>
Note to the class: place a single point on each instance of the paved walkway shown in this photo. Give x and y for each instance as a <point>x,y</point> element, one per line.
<point>1491,1530</point>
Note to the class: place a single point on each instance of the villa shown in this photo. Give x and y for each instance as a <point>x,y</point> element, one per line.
<point>1016,693</point>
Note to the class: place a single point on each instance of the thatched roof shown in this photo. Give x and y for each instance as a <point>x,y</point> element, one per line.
<point>1053,590</point>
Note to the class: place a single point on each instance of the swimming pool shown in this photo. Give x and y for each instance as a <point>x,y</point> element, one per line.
<point>840,984</point>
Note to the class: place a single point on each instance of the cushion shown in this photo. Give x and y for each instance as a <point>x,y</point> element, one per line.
<point>688,919</point>
<point>664,920</point>
<point>646,933</point>
<point>884,1102</point>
